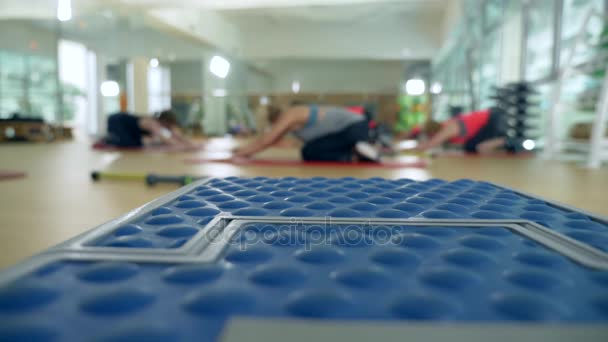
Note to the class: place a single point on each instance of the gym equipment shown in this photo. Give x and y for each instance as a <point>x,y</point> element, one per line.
<point>151,179</point>
<point>517,103</point>
<point>18,128</point>
<point>381,253</point>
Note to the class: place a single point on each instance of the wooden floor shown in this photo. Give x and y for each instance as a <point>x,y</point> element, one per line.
<point>57,199</point>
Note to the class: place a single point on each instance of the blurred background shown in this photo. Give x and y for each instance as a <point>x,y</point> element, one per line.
<point>219,62</point>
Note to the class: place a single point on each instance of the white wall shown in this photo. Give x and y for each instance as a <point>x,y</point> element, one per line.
<point>236,82</point>
<point>187,77</point>
<point>337,76</point>
<point>259,83</point>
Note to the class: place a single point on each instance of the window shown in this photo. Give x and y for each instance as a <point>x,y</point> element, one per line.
<point>159,89</point>
<point>575,12</point>
<point>73,74</point>
<point>494,10</point>
<point>28,86</point>
<point>539,44</point>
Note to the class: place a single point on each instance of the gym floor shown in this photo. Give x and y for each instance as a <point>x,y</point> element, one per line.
<point>57,199</point>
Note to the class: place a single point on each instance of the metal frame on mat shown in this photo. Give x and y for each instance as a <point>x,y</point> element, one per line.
<point>210,246</point>
<point>79,242</point>
<point>200,248</point>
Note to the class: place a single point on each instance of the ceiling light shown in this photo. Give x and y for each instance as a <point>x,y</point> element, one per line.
<point>219,66</point>
<point>415,87</point>
<point>295,86</point>
<point>64,10</point>
<point>109,89</point>
<point>154,62</point>
<point>436,88</point>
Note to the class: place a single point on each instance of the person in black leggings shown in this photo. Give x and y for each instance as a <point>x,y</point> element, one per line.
<point>337,146</point>
<point>328,133</point>
<point>128,130</point>
<point>480,132</point>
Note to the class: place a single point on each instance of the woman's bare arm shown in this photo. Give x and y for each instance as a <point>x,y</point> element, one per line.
<point>491,145</point>
<point>158,131</point>
<point>278,131</point>
<point>449,130</point>
<point>179,136</point>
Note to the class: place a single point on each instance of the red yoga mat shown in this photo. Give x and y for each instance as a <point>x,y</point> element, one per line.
<point>460,154</point>
<point>300,163</point>
<point>102,146</point>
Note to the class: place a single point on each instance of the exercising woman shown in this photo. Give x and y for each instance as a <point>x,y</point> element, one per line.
<point>477,132</point>
<point>328,133</point>
<point>128,130</point>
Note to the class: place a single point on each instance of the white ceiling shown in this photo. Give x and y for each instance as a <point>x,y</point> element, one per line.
<point>277,29</point>
<point>243,13</point>
<point>321,29</point>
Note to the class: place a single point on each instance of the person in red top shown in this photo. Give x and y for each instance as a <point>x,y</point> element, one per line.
<point>477,132</point>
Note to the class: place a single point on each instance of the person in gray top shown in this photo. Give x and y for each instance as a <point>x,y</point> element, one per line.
<point>328,133</point>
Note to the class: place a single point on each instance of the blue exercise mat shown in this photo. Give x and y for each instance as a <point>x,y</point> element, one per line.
<point>371,250</point>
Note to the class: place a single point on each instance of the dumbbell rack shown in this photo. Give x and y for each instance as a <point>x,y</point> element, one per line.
<point>516,101</point>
